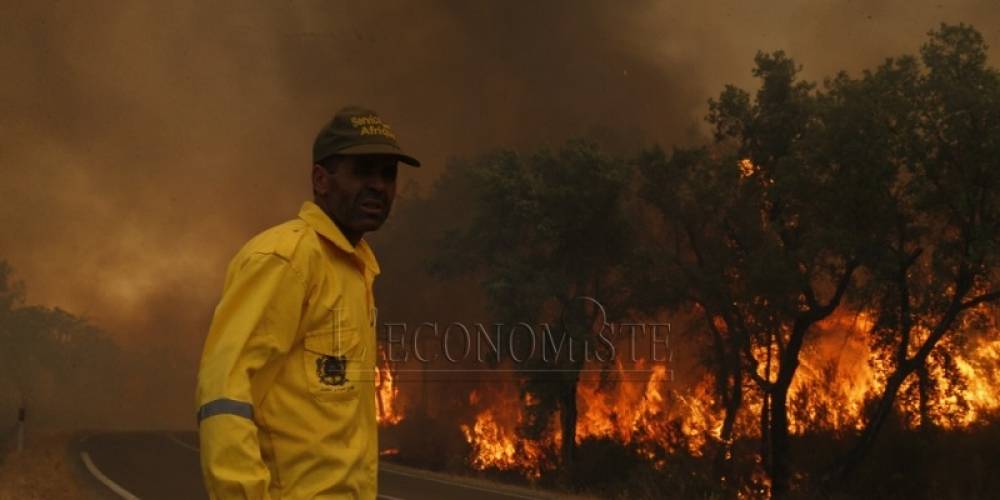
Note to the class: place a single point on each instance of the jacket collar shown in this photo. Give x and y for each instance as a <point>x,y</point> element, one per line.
<point>321,223</point>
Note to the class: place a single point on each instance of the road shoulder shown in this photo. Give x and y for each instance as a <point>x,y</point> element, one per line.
<point>475,483</point>
<point>49,467</point>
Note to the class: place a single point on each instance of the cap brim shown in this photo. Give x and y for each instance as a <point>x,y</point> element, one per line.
<point>379,149</point>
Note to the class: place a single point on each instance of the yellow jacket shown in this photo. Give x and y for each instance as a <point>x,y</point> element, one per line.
<point>286,391</point>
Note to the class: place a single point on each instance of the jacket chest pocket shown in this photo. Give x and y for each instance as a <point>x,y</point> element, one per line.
<point>332,361</point>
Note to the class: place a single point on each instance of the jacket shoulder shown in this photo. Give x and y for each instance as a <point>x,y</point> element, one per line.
<point>282,240</point>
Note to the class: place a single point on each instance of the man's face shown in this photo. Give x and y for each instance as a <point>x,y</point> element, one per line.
<point>357,193</point>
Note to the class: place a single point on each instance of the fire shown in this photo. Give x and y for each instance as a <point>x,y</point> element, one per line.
<point>387,392</point>
<point>643,408</point>
<point>644,413</point>
<point>496,444</point>
<point>963,401</point>
<point>982,372</point>
<point>602,416</point>
<point>839,374</point>
<point>836,377</point>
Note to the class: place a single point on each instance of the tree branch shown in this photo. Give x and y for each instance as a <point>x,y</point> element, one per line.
<point>962,285</point>
<point>765,385</point>
<point>842,284</point>
<point>975,301</point>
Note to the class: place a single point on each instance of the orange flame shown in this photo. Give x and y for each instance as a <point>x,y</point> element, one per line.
<point>839,374</point>
<point>496,444</point>
<point>387,392</point>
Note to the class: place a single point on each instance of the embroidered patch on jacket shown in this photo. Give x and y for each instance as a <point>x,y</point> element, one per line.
<point>332,370</point>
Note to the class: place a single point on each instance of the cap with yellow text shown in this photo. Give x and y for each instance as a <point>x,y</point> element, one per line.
<point>358,131</point>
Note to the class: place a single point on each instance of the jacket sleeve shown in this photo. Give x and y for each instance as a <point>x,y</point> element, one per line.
<point>255,323</point>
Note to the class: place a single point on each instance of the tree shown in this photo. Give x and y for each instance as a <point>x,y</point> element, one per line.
<point>687,262</point>
<point>547,229</point>
<point>60,364</point>
<point>768,231</point>
<point>11,298</point>
<point>942,258</point>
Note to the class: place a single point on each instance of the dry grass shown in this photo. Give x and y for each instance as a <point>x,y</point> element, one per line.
<point>46,469</point>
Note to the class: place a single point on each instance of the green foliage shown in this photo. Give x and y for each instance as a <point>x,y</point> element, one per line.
<point>927,130</point>
<point>546,228</point>
<point>941,249</point>
<point>57,363</point>
<point>546,225</point>
<point>776,210</point>
<point>11,292</point>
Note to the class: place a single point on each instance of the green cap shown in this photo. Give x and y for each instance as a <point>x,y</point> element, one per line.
<point>358,131</point>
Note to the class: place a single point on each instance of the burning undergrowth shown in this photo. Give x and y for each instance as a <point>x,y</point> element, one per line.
<point>641,417</point>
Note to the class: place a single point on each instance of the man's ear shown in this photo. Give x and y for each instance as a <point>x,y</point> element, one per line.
<point>320,179</point>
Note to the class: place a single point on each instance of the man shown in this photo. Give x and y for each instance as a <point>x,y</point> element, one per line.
<point>286,393</point>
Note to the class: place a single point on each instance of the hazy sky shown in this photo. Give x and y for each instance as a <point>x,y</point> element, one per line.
<point>141,143</point>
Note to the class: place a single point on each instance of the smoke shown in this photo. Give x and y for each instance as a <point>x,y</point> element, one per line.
<point>143,143</point>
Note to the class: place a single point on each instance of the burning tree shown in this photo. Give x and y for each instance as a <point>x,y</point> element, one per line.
<point>546,229</point>
<point>942,250</point>
<point>765,234</point>
<point>876,193</point>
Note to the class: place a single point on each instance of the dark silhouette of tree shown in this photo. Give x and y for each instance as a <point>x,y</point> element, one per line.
<point>878,190</point>
<point>768,230</point>
<point>943,248</point>
<point>547,230</point>
<point>63,367</point>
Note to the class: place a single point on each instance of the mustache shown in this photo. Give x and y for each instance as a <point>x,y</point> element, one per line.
<point>377,197</point>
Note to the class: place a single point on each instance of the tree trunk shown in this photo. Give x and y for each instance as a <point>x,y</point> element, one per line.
<point>779,441</point>
<point>765,416</point>
<point>765,433</point>
<point>871,430</point>
<point>733,403</point>
<point>924,388</point>
<point>895,381</point>
<point>568,423</point>
<point>424,390</point>
<point>789,363</point>
<point>380,405</point>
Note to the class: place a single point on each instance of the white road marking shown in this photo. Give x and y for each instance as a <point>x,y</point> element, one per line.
<point>113,486</point>
<point>171,437</point>
<point>452,483</point>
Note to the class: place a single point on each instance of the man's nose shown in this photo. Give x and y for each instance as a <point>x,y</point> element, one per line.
<point>377,183</point>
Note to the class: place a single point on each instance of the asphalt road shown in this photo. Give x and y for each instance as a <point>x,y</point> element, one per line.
<point>161,465</point>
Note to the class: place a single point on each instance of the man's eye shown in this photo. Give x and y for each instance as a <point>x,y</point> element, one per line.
<point>366,170</point>
<point>384,170</point>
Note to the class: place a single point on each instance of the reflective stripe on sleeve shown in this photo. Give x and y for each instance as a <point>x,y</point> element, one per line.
<point>225,407</point>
